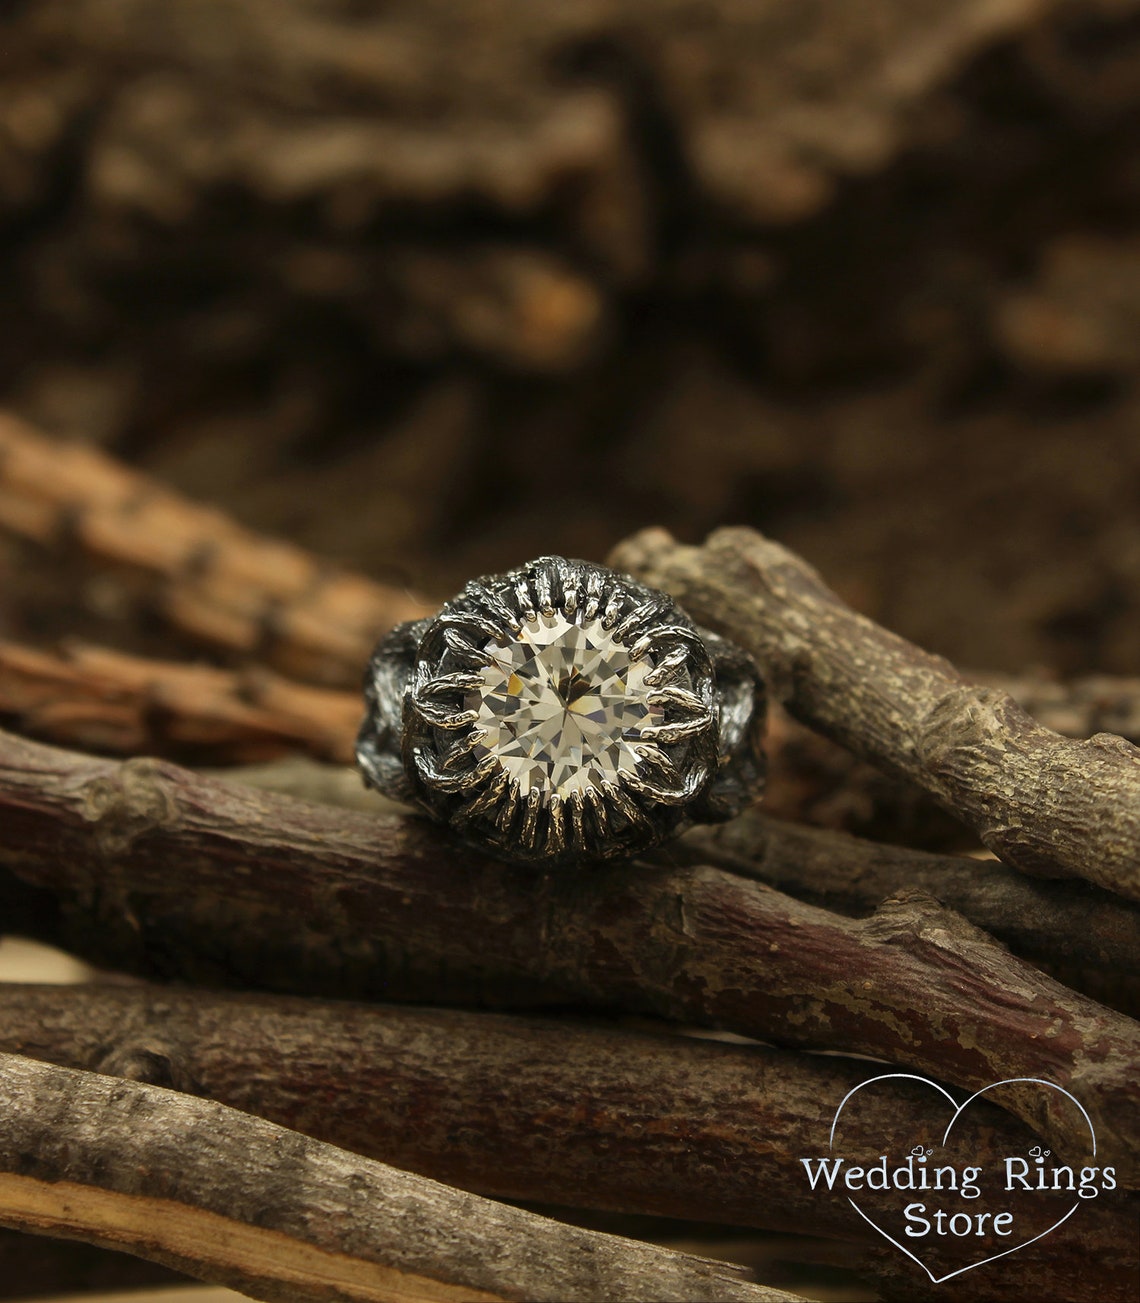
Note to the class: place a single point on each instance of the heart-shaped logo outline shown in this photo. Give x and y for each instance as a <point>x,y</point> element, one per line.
<point>958,1110</point>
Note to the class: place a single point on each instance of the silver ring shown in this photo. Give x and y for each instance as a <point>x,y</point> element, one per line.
<point>563,712</point>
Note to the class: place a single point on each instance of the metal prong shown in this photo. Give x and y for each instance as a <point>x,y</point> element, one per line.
<point>460,681</point>
<point>677,731</point>
<point>498,609</point>
<point>525,601</point>
<point>490,796</point>
<point>530,816</point>
<point>576,817</point>
<point>506,815</point>
<point>462,648</point>
<point>594,583</point>
<point>461,749</point>
<point>440,717</point>
<point>658,765</point>
<point>474,776</point>
<point>641,615</point>
<point>666,667</point>
<point>557,837</point>
<point>641,646</point>
<point>681,698</point>
<point>544,591</point>
<point>619,797</point>
<point>595,804</point>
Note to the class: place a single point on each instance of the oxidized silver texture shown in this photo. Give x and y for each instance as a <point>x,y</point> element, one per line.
<point>700,761</point>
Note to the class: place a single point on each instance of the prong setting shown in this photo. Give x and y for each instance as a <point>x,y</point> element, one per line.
<point>557,713</point>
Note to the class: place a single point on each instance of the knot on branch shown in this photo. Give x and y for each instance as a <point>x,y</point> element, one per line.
<point>130,800</point>
<point>968,725</point>
<point>155,1063</point>
<point>912,917</point>
<point>1115,745</point>
<point>776,567</point>
<point>968,744</point>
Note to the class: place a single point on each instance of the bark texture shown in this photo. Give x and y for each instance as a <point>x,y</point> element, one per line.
<point>102,700</point>
<point>1045,921</point>
<point>147,868</point>
<point>1041,802</point>
<point>133,1166</point>
<point>561,1111</point>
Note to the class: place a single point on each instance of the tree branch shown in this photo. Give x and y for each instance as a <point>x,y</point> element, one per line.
<point>205,574</point>
<point>1089,933</point>
<point>1041,802</point>
<point>149,868</point>
<point>136,1167</point>
<point>522,1108</point>
<point>103,700</point>
<point>1044,921</point>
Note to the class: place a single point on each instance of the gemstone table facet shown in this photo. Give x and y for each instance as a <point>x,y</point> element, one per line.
<point>562,706</point>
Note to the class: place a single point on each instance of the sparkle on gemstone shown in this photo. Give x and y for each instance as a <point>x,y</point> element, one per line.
<point>562,706</point>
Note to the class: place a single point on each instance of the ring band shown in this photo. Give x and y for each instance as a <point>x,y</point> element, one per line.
<point>563,712</point>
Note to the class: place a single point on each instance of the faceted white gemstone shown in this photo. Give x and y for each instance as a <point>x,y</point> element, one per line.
<point>562,705</point>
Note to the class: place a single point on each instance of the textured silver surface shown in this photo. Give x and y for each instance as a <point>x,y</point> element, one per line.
<point>690,746</point>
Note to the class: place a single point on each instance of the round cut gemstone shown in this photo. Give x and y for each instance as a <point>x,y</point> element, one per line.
<point>562,706</point>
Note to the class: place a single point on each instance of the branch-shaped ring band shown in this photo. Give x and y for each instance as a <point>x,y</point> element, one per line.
<point>561,712</point>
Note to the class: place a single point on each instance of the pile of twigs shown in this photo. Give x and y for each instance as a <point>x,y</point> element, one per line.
<point>275,1128</point>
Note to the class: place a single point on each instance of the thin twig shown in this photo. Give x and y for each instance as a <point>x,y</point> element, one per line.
<point>235,1200</point>
<point>208,576</point>
<point>103,700</point>
<point>1041,802</point>
<point>522,1108</point>
<point>149,868</point>
<point>1046,922</point>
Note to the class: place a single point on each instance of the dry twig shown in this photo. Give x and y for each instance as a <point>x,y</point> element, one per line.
<point>208,576</point>
<point>524,1108</point>
<point>148,868</point>
<point>235,1200</point>
<point>1074,924</point>
<point>103,700</point>
<point>1043,803</point>
<point>1044,921</point>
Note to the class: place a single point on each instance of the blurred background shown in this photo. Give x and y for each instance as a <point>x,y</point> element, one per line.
<point>433,287</point>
